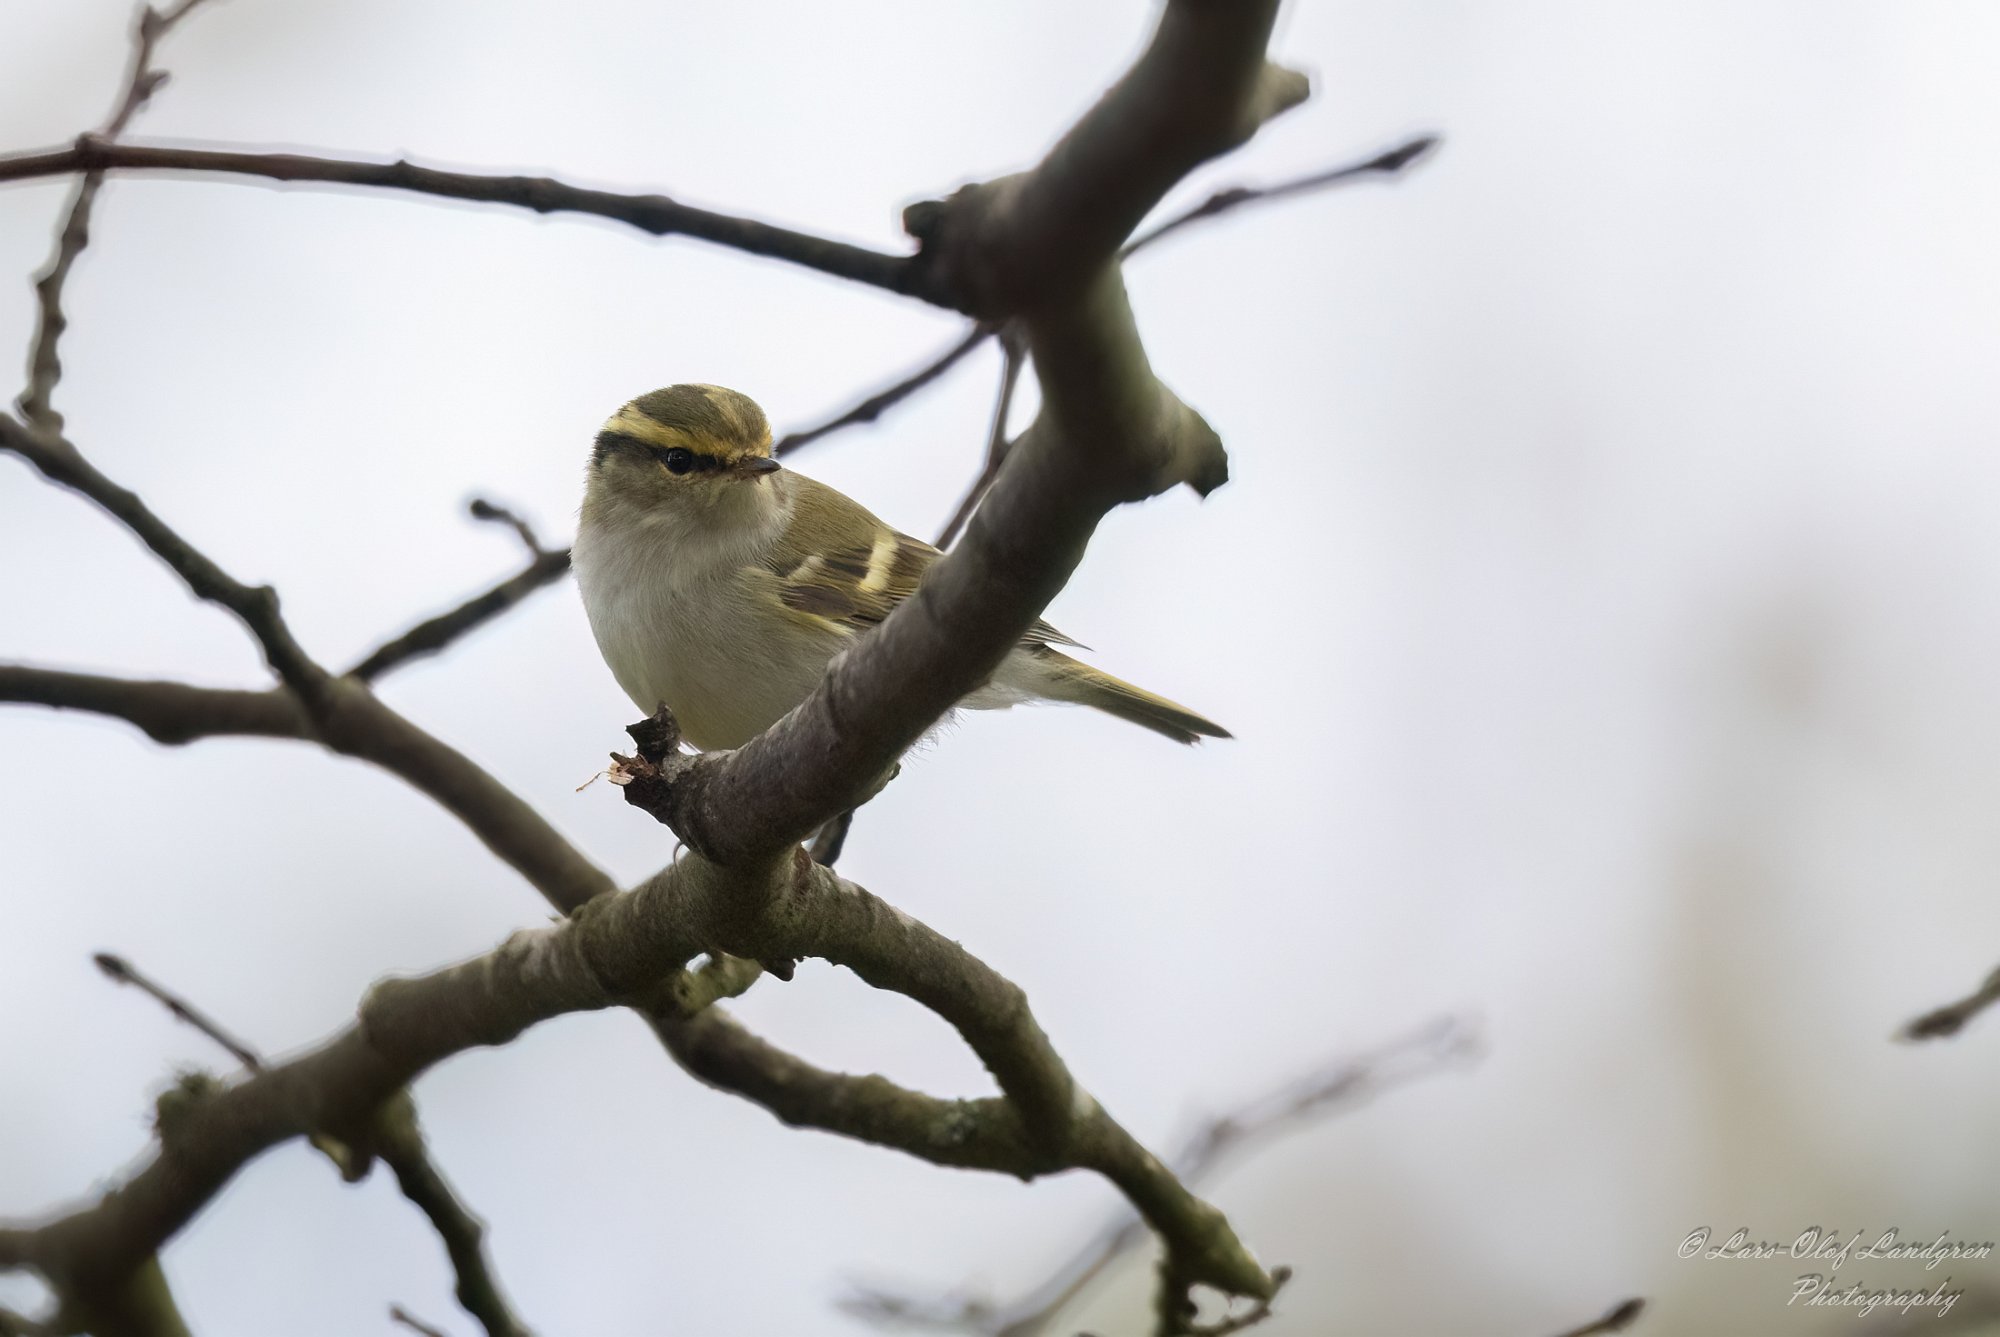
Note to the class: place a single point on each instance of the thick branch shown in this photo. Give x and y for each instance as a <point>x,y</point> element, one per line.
<point>354,723</point>
<point>1109,432</point>
<point>653,214</point>
<point>1388,163</point>
<point>1201,88</point>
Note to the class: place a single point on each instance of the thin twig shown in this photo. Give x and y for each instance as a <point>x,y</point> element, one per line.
<point>545,567</point>
<point>1388,163</point>
<point>398,1314</point>
<point>479,508</point>
<point>868,410</point>
<point>1621,1316</point>
<point>873,407</point>
<point>1342,1084</point>
<point>45,359</point>
<point>1951,1018</point>
<point>997,443</point>
<point>656,215</point>
<point>120,971</point>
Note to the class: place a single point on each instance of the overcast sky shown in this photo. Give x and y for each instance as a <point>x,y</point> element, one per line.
<point>1606,603</point>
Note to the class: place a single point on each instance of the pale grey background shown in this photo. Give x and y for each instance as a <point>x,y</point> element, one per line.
<point>1607,601</point>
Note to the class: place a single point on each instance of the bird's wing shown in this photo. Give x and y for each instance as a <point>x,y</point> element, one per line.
<point>836,562</point>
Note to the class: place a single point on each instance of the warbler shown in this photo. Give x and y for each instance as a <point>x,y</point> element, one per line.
<point>721,583</point>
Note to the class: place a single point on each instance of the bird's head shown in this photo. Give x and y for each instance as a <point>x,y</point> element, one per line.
<point>685,449</point>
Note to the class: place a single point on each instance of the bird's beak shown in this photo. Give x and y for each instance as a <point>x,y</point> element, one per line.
<point>756,467</point>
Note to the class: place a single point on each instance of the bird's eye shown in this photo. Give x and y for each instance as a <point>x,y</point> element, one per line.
<point>678,460</point>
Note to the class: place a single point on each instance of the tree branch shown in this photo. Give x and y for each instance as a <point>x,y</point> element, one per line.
<point>256,607</point>
<point>398,1314</point>
<point>544,567</point>
<point>397,1138</point>
<point>626,949</point>
<point>168,712</point>
<point>1388,163</point>
<point>399,1141</point>
<point>875,405</point>
<point>120,971</point>
<point>44,359</point>
<point>1042,245</point>
<point>1342,1084</point>
<point>1620,1317</point>
<point>1948,1020</point>
<point>655,215</point>
<point>997,444</point>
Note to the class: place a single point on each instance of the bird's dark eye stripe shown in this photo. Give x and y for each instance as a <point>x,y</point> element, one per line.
<point>681,460</point>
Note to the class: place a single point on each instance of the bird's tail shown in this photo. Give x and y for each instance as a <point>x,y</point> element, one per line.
<point>1066,679</point>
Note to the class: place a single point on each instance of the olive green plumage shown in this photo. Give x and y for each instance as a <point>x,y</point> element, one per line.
<point>720,584</point>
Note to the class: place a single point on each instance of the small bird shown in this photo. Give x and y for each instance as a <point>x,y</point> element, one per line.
<point>721,583</point>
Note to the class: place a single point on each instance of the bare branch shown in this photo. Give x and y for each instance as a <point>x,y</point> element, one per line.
<point>1341,1084</point>
<point>256,607</point>
<point>479,508</point>
<point>1045,245</point>
<point>44,359</point>
<point>356,724</point>
<point>544,567</point>
<point>868,410</point>
<point>168,712</point>
<point>1621,1316</point>
<point>436,633</point>
<point>397,1138</point>
<point>997,444</point>
<point>871,408</point>
<point>1951,1018</point>
<point>656,215</point>
<point>1391,162</point>
<point>399,1141</point>
<point>398,1314</point>
<point>120,971</point>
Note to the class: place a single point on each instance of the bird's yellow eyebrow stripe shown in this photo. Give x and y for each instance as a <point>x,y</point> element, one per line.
<point>630,422</point>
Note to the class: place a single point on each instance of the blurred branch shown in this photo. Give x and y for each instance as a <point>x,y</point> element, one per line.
<point>398,1314</point>
<point>1951,1018</point>
<point>545,567</point>
<point>20,1325</point>
<point>120,971</point>
<point>656,215</point>
<point>1337,1086</point>
<point>1621,1317</point>
<point>1389,163</point>
<point>44,359</point>
<point>1012,356</point>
